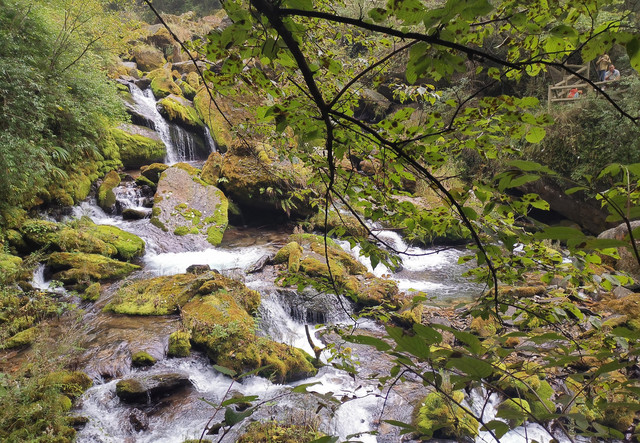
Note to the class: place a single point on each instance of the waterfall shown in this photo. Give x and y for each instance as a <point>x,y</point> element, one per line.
<point>209,141</point>
<point>146,106</point>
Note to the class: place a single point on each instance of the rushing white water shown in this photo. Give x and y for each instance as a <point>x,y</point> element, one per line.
<point>210,142</point>
<point>39,282</point>
<point>146,104</point>
<point>171,263</point>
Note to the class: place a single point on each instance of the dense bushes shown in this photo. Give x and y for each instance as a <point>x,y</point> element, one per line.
<point>55,102</point>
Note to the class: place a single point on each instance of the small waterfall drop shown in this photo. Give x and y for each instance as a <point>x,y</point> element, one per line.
<point>209,141</point>
<point>146,106</point>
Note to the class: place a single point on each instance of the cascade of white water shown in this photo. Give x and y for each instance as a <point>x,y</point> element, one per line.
<point>146,104</point>
<point>211,143</point>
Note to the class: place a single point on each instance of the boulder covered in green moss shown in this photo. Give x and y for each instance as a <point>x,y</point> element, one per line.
<point>22,338</point>
<point>153,171</point>
<point>106,196</point>
<point>92,293</point>
<point>440,417</point>
<point>179,344</point>
<point>186,205</point>
<point>10,268</point>
<point>162,83</point>
<point>179,110</point>
<point>226,331</point>
<point>257,179</point>
<point>307,256</point>
<point>128,246</point>
<point>75,267</point>
<point>138,145</point>
<point>40,233</point>
<point>147,57</point>
<point>142,359</point>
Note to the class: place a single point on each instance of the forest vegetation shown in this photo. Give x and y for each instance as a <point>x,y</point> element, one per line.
<point>424,116</point>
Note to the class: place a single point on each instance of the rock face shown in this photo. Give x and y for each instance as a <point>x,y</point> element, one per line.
<point>186,205</point>
<point>142,388</point>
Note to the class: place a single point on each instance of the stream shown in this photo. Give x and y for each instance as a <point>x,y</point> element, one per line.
<point>337,403</point>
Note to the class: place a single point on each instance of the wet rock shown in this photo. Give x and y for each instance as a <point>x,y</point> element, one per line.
<point>74,267</point>
<point>198,269</point>
<point>106,196</point>
<point>179,110</point>
<point>142,359</point>
<point>153,171</point>
<point>186,205</point>
<point>143,388</point>
<point>260,264</point>
<point>134,214</point>
<point>139,420</point>
<point>138,145</point>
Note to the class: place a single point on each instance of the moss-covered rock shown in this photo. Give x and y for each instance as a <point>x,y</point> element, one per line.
<point>147,57</point>
<point>348,222</point>
<point>22,338</point>
<point>138,146</point>
<point>215,121</point>
<point>225,330</point>
<point>144,181</point>
<point>142,359</point>
<point>272,432</point>
<point>153,171</point>
<point>10,268</point>
<point>187,205</point>
<point>141,388</point>
<point>179,344</point>
<point>212,168</point>
<point>71,383</point>
<point>306,255</point>
<point>92,293</point>
<point>40,233</point>
<point>440,417</point>
<point>128,246</point>
<point>79,240</point>
<point>180,111</point>
<point>162,83</point>
<point>106,196</point>
<point>75,267</point>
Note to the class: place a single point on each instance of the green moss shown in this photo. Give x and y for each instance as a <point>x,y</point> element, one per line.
<point>218,223</point>
<point>127,245</point>
<point>74,267</point>
<point>291,254</point>
<point>182,230</point>
<point>212,168</point>
<point>484,327</point>
<point>162,83</point>
<point>187,90</point>
<point>137,150</point>
<point>153,171</point>
<point>106,197</point>
<point>157,296</point>
<point>179,344</point>
<point>141,359</point>
<point>92,293</point>
<point>440,417</point>
<point>347,221</point>
<point>10,268</point>
<point>218,126</point>
<point>80,240</point>
<point>40,233</point>
<point>22,338</point>
<point>180,111</point>
<point>142,181</point>
<point>71,383</point>
<point>274,432</point>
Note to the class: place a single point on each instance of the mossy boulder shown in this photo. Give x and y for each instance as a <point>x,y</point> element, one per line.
<point>162,83</point>
<point>75,267</point>
<point>348,222</point>
<point>147,57</point>
<point>153,171</point>
<point>10,268</point>
<point>79,240</point>
<point>92,293</point>
<point>128,246</point>
<point>106,196</point>
<point>225,330</point>
<point>142,359</point>
<point>441,417</point>
<point>142,388</point>
<point>272,431</point>
<point>258,180</point>
<point>215,121</point>
<point>40,233</point>
<point>71,383</point>
<point>306,255</point>
<point>186,205</point>
<point>179,110</point>
<point>22,338</point>
<point>212,168</point>
<point>138,145</point>
<point>179,344</point>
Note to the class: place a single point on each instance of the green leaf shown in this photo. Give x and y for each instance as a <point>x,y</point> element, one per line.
<point>225,371</point>
<point>235,400</point>
<point>303,387</point>
<point>535,134</point>
<point>305,5</point>
<point>604,243</point>
<point>559,233</point>
<point>412,344</point>
<point>430,335</point>
<point>473,367</point>
<point>633,51</point>
<point>575,189</point>
<point>529,166</point>
<point>499,427</point>
<point>232,417</point>
<point>380,345</point>
<point>325,439</point>
<point>564,31</point>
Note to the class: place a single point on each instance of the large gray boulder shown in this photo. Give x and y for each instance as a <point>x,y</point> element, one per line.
<point>627,262</point>
<point>186,205</point>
